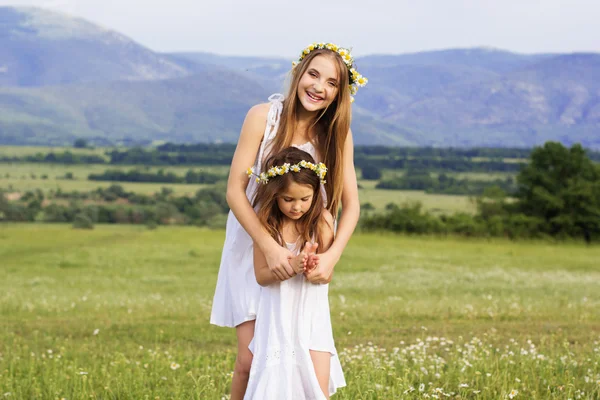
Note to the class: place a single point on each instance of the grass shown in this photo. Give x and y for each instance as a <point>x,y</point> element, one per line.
<point>476,176</point>
<point>21,151</point>
<point>436,203</point>
<point>121,312</point>
<point>24,176</point>
<point>28,176</point>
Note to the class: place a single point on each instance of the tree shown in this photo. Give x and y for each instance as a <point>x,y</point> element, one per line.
<point>80,143</point>
<point>83,221</point>
<point>561,186</point>
<point>371,172</point>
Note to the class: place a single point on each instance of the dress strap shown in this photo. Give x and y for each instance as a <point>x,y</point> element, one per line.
<point>273,118</point>
<point>274,112</point>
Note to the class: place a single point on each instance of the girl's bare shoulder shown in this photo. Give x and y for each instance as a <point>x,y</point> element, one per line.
<point>259,112</point>
<point>254,124</point>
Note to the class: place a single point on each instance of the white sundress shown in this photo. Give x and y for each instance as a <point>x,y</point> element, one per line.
<point>237,292</point>
<point>293,318</point>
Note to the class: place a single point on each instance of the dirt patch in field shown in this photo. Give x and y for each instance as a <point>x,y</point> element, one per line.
<point>14,196</point>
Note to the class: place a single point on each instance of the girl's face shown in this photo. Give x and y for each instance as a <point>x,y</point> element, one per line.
<point>319,85</point>
<point>296,200</point>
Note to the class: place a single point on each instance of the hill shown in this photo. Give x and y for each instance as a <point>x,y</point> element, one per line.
<point>39,47</point>
<point>63,77</point>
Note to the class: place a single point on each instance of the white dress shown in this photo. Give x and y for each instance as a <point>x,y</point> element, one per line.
<point>293,318</point>
<point>237,292</point>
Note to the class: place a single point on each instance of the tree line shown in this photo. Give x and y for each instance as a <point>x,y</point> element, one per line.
<point>557,194</point>
<point>444,184</point>
<point>381,157</point>
<point>154,157</point>
<point>114,205</point>
<point>136,175</point>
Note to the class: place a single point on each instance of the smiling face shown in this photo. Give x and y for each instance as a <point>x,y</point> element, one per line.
<point>319,85</point>
<point>295,201</point>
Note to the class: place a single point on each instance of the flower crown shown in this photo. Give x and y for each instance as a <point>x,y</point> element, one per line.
<point>320,169</point>
<point>356,79</point>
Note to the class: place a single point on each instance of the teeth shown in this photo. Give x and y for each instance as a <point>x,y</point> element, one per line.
<point>313,96</point>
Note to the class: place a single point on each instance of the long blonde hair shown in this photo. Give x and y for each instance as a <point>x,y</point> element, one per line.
<point>332,125</point>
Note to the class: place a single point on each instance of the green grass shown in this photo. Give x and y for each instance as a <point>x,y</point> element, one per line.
<point>436,203</point>
<point>24,176</point>
<point>476,176</point>
<point>21,177</point>
<point>21,151</point>
<point>121,312</point>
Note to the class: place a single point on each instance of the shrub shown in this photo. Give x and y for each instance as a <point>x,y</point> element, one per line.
<point>83,221</point>
<point>371,172</point>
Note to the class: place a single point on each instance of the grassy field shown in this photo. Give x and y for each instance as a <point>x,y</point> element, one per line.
<point>22,177</point>
<point>21,151</point>
<point>476,176</point>
<point>121,312</point>
<point>436,203</point>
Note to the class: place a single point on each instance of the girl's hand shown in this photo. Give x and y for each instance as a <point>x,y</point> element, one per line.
<point>322,268</point>
<point>312,262</point>
<point>313,258</point>
<point>298,263</point>
<point>278,261</point>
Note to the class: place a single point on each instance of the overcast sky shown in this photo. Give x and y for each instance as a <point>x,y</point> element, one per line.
<point>283,28</point>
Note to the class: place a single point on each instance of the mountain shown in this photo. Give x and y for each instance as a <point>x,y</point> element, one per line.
<point>463,97</point>
<point>556,98</point>
<point>210,106</point>
<point>63,77</point>
<point>269,72</point>
<point>39,47</point>
<point>485,58</point>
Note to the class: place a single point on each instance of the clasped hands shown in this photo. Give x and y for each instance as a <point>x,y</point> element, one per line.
<point>316,268</point>
<point>306,260</point>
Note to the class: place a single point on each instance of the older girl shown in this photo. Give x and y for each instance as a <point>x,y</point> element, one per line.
<point>315,116</point>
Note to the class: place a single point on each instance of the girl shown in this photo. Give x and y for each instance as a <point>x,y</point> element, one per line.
<point>293,347</point>
<point>315,116</point>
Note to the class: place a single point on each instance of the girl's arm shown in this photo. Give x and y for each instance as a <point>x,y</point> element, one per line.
<point>264,276</point>
<point>326,228</point>
<point>311,249</point>
<point>244,157</point>
<point>348,220</point>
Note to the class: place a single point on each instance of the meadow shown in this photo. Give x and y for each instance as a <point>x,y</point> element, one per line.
<point>22,177</point>
<point>21,151</point>
<point>121,312</point>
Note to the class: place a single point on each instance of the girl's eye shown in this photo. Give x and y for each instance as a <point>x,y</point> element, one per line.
<point>332,84</point>
<point>312,74</point>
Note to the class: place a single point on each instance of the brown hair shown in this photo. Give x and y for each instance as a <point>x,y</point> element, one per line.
<point>332,125</point>
<point>268,211</point>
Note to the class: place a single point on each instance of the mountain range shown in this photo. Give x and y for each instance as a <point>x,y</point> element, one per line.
<point>63,78</point>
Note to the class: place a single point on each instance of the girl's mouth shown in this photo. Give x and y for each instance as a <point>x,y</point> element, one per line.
<point>314,97</point>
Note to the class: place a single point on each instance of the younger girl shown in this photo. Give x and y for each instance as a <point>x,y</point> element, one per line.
<point>293,347</point>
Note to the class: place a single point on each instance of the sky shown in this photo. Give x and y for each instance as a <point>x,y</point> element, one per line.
<point>283,28</point>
